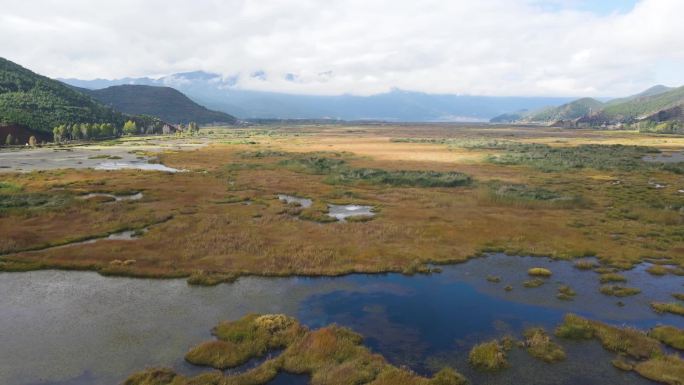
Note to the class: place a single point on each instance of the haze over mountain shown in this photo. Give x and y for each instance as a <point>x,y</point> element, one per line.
<point>220,93</point>
<point>165,103</point>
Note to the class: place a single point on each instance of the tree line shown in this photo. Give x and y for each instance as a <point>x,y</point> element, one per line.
<point>93,131</point>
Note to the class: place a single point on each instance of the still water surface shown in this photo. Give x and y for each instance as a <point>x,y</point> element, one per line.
<point>59,327</point>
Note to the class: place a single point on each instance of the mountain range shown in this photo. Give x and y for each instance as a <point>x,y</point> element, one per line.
<point>216,92</point>
<point>32,105</point>
<point>165,103</point>
<point>40,103</point>
<point>652,107</point>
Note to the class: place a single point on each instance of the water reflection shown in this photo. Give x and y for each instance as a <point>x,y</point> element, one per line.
<point>71,323</point>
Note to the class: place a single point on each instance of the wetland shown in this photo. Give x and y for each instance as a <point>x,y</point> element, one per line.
<point>427,241</point>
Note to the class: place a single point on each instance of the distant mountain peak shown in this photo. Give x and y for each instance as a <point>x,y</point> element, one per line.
<point>166,103</point>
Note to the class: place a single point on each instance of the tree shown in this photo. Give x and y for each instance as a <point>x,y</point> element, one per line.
<point>32,141</point>
<point>85,129</point>
<point>130,128</point>
<point>9,140</point>
<point>75,132</point>
<point>193,127</point>
<point>95,131</point>
<point>58,132</point>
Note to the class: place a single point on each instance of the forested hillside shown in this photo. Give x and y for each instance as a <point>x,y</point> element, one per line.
<point>40,103</point>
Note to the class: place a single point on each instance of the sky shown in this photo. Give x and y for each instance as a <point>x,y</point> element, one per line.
<point>362,47</point>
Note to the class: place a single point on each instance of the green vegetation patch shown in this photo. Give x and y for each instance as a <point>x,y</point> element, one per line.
<point>21,200</point>
<point>331,355</point>
<point>529,197</point>
<point>539,345</point>
<point>488,356</point>
<point>539,272</point>
<point>664,369</point>
<point>566,293</point>
<point>673,308</point>
<point>596,156</point>
<point>619,291</point>
<point>669,335</point>
<point>249,337</point>
<point>532,283</point>
<point>339,172</point>
<point>612,277</point>
<point>585,265</point>
<point>631,342</point>
<point>657,270</point>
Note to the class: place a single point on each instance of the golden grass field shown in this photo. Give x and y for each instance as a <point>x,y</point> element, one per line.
<point>199,221</point>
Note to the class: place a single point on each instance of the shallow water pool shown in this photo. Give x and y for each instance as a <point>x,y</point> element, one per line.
<point>63,327</point>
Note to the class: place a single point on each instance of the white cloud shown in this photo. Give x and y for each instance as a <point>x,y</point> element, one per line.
<point>490,47</point>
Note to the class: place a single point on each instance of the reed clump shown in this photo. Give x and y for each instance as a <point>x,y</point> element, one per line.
<point>539,344</point>
<point>488,356</point>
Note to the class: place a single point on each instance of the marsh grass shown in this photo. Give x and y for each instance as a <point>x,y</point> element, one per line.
<point>619,291</point>
<point>565,293</point>
<point>585,265</point>
<point>331,355</point>
<point>246,338</point>
<point>524,196</point>
<point>657,270</point>
<point>33,201</point>
<point>672,307</point>
<point>669,335</point>
<point>539,272</point>
<point>612,277</point>
<point>204,278</point>
<point>535,282</point>
<point>539,344</point>
<point>337,171</point>
<point>555,159</point>
<point>416,223</point>
<point>664,369</point>
<point>488,356</point>
<point>317,212</point>
<point>631,342</point>
<point>360,218</point>
<point>623,364</point>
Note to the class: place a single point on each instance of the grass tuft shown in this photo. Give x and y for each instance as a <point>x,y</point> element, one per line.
<point>488,356</point>
<point>539,272</point>
<point>619,291</point>
<point>539,345</point>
